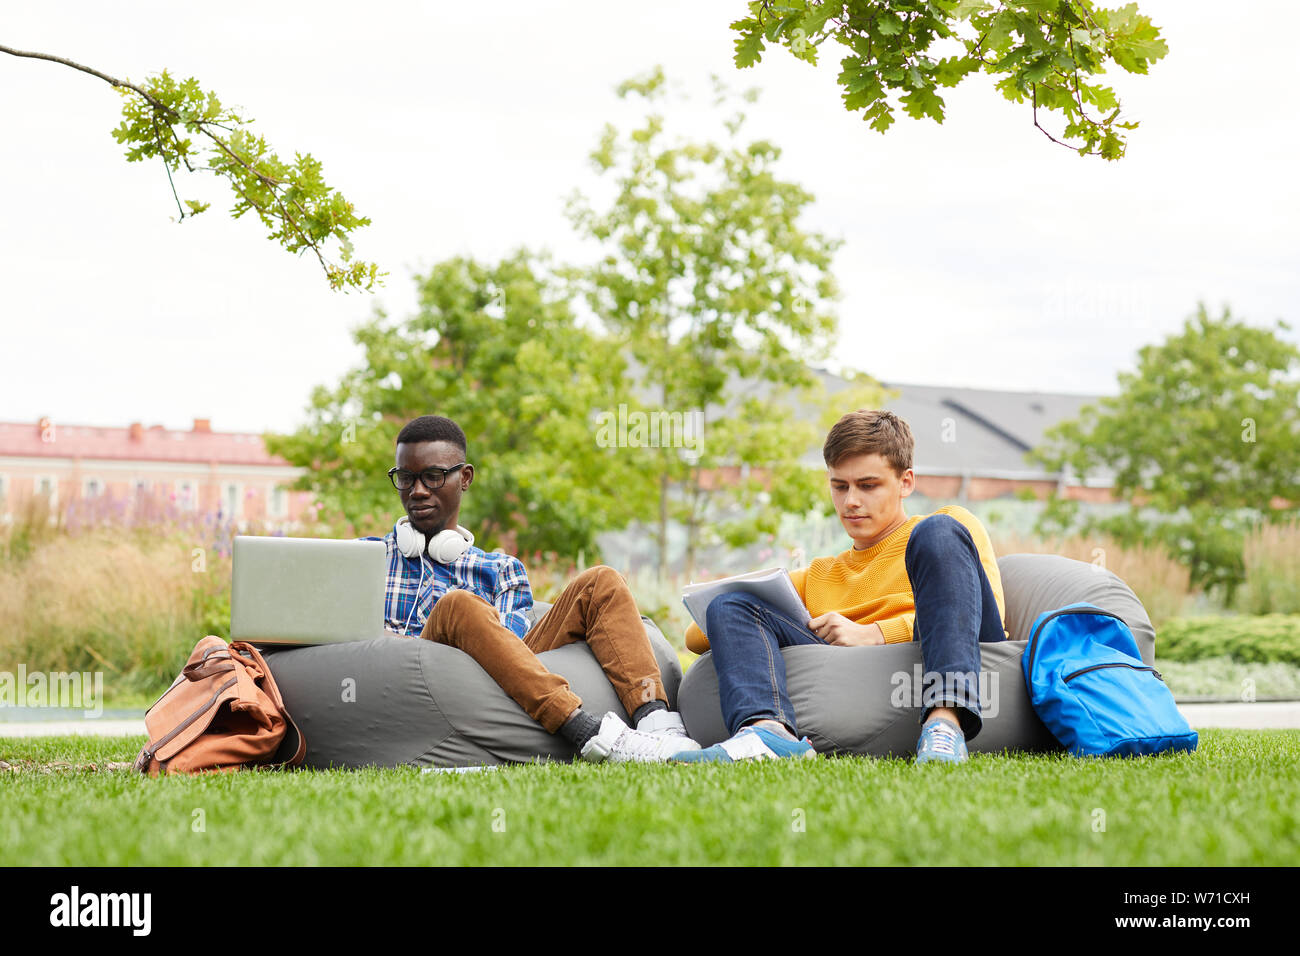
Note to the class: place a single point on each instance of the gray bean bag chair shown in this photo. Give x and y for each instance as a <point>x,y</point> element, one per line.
<point>392,701</point>
<point>866,700</point>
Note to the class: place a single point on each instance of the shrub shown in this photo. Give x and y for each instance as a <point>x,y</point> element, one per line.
<point>1258,639</point>
<point>1221,678</point>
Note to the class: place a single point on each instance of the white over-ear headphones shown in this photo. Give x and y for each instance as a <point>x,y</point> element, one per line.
<point>445,547</point>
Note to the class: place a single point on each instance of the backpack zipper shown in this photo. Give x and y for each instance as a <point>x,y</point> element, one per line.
<point>1033,640</point>
<point>1136,667</point>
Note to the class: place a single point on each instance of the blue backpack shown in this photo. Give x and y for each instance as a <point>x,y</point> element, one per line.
<point>1088,684</point>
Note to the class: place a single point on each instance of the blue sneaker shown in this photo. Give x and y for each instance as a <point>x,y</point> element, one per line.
<point>941,742</point>
<point>751,743</point>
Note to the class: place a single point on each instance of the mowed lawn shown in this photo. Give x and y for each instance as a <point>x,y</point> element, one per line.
<point>1232,802</point>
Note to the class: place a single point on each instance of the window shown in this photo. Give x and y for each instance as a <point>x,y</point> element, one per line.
<point>185,499</point>
<point>92,487</point>
<point>47,487</point>
<point>230,501</point>
<point>4,494</point>
<point>279,502</point>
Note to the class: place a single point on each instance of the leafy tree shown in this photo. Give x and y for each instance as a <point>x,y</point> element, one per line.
<point>720,297</point>
<point>1204,439</point>
<point>1046,52</point>
<point>299,209</point>
<point>497,349</point>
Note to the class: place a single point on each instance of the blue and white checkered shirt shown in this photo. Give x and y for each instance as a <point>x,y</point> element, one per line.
<point>497,578</point>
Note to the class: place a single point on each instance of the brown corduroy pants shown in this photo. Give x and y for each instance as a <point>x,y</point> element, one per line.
<point>596,607</point>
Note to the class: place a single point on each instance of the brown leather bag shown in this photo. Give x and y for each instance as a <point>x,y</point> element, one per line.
<point>223,713</point>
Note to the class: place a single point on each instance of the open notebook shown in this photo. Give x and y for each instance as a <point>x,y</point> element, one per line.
<point>773,585</point>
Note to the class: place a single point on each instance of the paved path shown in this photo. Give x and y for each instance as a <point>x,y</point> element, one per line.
<point>1260,715</point>
<point>57,728</point>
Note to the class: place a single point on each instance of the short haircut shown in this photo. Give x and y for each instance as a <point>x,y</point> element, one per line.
<point>867,432</point>
<point>432,428</point>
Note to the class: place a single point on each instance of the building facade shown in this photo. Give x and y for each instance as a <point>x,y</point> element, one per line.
<point>199,470</point>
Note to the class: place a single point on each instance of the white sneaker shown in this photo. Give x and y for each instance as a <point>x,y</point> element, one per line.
<point>619,743</point>
<point>669,726</point>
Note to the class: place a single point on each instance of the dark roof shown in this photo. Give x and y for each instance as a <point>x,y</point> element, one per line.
<point>975,430</point>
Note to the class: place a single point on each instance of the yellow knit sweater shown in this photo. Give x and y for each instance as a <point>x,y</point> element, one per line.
<point>871,586</point>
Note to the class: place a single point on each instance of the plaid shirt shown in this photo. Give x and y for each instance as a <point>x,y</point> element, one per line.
<point>497,578</point>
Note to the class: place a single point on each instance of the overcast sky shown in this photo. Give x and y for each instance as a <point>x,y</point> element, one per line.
<point>975,253</point>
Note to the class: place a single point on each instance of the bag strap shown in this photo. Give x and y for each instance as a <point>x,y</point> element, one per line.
<point>293,749</point>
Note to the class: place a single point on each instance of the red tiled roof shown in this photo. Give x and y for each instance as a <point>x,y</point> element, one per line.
<point>24,439</point>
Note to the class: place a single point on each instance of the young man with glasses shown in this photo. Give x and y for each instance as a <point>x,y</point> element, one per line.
<point>443,589</point>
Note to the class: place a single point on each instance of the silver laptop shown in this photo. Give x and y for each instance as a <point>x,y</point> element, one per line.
<point>306,590</point>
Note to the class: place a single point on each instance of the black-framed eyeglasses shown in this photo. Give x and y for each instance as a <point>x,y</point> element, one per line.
<point>431,478</point>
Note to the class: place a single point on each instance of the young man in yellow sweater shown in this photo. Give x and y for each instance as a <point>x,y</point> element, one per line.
<point>930,578</point>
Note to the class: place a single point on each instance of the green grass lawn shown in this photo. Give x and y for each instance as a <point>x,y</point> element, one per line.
<point>1232,802</point>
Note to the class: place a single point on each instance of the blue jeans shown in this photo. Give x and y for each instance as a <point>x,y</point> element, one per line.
<point>955,612</point>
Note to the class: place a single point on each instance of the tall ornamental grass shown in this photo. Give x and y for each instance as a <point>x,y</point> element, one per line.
<point>1160,582</point>
<point>1272,558</point>
<point>126,591</point>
